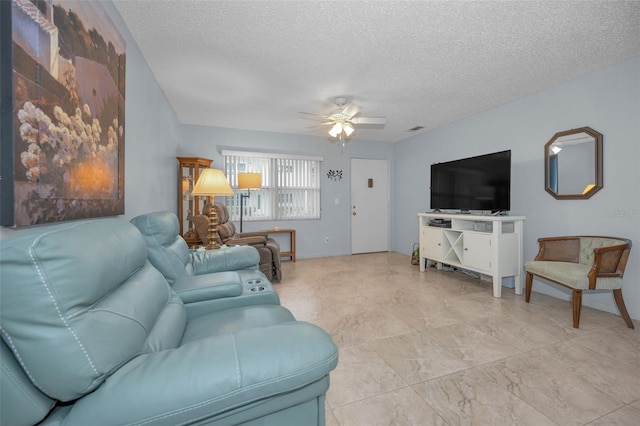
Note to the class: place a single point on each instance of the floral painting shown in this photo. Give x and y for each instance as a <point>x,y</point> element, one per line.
<point>68,71</point>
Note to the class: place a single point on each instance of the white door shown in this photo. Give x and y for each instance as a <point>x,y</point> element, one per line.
<point>369,206</point>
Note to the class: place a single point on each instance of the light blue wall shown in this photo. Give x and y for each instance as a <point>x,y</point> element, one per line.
<point>152,135</point>
<point>335,219</point>
<point>609,102</point>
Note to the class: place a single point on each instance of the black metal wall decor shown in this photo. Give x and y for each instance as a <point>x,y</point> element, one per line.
<point>335,174</point>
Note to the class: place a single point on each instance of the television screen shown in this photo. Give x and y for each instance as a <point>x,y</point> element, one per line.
<point>474,183</point>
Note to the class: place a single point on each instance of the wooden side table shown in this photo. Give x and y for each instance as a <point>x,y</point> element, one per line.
<point>292,242</point>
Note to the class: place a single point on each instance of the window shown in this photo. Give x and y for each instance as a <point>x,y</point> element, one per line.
<point>290,186</point>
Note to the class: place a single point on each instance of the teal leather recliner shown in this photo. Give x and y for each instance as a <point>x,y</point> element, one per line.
<point>204,279</point>
<point>93,334</point>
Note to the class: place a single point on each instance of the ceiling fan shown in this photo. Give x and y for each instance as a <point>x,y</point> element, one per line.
<point>343,120</point>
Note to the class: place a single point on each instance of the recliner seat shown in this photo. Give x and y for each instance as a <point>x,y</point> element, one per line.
<point>268,248</point>
<point>204,279</point>
<point>88,322</point>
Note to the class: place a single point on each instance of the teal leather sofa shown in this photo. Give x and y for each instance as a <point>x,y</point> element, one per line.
<point>204,279</point>
<point>93,334</point>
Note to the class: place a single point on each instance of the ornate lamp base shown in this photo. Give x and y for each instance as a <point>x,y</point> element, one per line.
<point>214,238</point>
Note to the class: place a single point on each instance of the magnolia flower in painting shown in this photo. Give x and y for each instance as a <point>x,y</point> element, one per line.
<point>71,139</point>
<point>61,116</point>
<point>33,160</point>
<point>35,124</point>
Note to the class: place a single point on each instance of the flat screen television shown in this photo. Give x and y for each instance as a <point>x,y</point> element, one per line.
<point>474,183</point>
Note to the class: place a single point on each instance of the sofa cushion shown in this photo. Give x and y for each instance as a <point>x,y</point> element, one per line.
<point>205,380</point>
<point>167,251</point>
<point>234,320</point>
<point>587,244</point>
<point>571,274</point>
<point>79,300</point>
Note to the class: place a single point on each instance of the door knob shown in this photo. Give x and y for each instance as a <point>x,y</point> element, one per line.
<point>354,213</point>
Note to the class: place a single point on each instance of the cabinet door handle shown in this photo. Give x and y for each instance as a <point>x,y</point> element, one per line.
<point>466,249</point>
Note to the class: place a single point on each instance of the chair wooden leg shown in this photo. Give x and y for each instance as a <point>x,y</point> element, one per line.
<point>576,299</point>
<point>529,285</point>
<point>617,295</point>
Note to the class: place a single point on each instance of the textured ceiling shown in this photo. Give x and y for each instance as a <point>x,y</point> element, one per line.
<point>257,64</point>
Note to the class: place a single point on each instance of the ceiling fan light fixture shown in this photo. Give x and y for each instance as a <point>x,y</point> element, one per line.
<point>336,130</point>
<point>348,129</point>
<point>343,120</point>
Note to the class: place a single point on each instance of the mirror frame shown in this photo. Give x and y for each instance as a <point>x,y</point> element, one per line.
<point>598,164</point>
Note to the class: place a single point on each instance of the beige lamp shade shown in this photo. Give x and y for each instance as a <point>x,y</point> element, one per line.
<point>249,180</point>
<point>212,182</point>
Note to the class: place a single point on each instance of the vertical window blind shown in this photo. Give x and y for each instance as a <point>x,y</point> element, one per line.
<point>290,186</point>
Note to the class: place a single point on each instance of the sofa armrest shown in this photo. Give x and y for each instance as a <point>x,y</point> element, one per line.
<point>196,288</point>
<point>609,262</point>
<point>254,241</point>
<point>223,259</point>
<point>210,376</point>
<point>254,234</point>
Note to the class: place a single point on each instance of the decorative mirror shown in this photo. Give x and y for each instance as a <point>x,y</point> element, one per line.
<point>573,164</point>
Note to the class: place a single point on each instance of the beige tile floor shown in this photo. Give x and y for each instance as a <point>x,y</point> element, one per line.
<point>437,348</point>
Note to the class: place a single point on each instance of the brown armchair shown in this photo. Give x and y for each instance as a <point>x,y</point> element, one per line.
<point>268,248</point>
<point>582,263</point>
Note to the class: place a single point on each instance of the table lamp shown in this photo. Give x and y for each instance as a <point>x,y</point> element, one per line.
<point>247,181</point>
<point>212,182</point>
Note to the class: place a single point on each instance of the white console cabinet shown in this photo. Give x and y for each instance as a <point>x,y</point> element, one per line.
<point>489,245</point>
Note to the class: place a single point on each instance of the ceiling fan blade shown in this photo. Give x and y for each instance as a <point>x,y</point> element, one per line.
<point>351,109</point>
<point>312,116</point>
<point>322,125</point>
<point>369,120</point>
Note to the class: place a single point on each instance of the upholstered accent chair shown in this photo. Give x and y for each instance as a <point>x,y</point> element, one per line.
<point>268,248</point>
<point>582,263</point>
